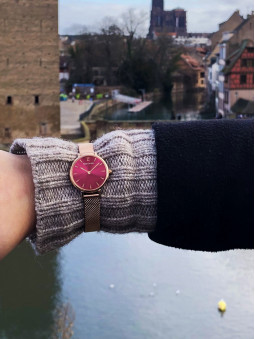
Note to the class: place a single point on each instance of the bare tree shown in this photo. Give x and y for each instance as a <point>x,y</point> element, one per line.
<point>133,26</point>
<point>134,23</point>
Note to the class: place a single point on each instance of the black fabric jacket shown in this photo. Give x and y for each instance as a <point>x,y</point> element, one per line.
<point>205,185</point>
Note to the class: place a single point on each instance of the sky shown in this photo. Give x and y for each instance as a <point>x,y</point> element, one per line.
<point>202,15</point>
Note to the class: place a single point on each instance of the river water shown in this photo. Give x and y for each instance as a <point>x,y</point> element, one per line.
<point>128,287</point>
<point>182,106</point>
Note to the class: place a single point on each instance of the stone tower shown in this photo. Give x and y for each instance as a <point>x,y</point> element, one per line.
<point>29,69</point>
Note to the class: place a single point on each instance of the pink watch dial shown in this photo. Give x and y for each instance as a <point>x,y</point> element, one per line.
<point>89,173</point>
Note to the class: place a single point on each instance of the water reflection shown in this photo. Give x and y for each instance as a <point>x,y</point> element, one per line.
<point>181,106</point>
<point>146,277</point>
<point>29,293</point>
<point>157,290</point>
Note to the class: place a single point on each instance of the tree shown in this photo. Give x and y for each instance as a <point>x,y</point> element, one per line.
<point>133,27</point>
<point>122,52</point>
<point>112,48</point>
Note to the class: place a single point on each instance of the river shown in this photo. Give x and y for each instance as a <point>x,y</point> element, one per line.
<point>126,286</point>
<point>182,106</point>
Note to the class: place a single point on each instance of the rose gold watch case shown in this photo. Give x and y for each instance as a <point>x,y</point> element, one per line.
<point>96,189</point>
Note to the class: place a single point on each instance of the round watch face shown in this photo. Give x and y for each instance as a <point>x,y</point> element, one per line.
<point>89,172</point>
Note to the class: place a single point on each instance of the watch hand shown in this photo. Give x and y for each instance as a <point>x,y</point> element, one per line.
<point>84,170</point>
<point>94,167</point>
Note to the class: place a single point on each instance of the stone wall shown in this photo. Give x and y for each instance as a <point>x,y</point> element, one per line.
<point>29,68</point>
<point>100,127</point>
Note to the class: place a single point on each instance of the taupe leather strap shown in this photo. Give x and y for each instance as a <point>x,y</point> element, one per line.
<point>91,201</point>
<point>92,212</point>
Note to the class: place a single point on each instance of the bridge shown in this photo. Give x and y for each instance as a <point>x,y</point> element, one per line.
<point>126,99</point>
<point>138,104</point>
<point>142,105</point>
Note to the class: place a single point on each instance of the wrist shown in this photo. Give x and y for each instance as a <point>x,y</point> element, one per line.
<point>58,205</point>
<point>25,191</point>
<point>16,201</point>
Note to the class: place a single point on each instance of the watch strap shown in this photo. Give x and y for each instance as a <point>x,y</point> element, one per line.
<point>91,201</point>
<point>86,148</point>
<point>92,212</point>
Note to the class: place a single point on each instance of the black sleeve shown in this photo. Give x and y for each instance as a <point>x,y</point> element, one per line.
<point>205,185</point>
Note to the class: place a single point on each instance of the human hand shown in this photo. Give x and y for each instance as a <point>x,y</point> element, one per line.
<point>17,208</point>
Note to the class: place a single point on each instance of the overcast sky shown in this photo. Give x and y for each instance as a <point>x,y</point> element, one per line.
<point>202,15</point>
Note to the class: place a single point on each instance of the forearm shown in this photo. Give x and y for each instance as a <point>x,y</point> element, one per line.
<point>17,211</point>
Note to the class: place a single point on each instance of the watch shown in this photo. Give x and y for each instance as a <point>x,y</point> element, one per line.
<point>88,173</point>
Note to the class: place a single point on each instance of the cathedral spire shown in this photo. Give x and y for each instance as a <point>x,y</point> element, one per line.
<point>172,22</point>
<point>158,4</point>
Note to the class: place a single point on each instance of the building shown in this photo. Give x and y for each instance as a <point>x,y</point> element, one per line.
<point>231,47</point>
<point>238,79</point>
<point>29,68</point>
<point>243,109</point>
<point>227,26</point>
<point>194,70</point>
<point>169,22</point>
<point>193,41</point>
<point>64,71</point>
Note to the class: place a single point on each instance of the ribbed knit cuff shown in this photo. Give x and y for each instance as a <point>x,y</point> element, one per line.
<point>128,199</point>
<point>58,205</point>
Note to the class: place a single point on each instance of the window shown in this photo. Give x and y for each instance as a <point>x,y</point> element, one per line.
<point>7,132</point>
<point>202,74</point>
<point>250,62</point>
<point>244,63</point>
<point>243,79</point>
<point>250,49</point>
<point>9,100</point>
<point>247,63</point>
<point>43,128</point>
<point>36,99</point>
<point>226,97</point>
<point>181,21</point>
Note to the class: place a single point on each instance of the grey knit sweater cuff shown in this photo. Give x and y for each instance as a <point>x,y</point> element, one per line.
<point>128,200</point>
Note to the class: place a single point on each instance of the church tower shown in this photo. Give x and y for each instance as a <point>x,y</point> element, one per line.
<point>157,16</point>
<point>158,4</point>
<point>172,22</point>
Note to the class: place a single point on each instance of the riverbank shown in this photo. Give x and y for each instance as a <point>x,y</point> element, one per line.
<point>70,116</point>
<point>107,118</point>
